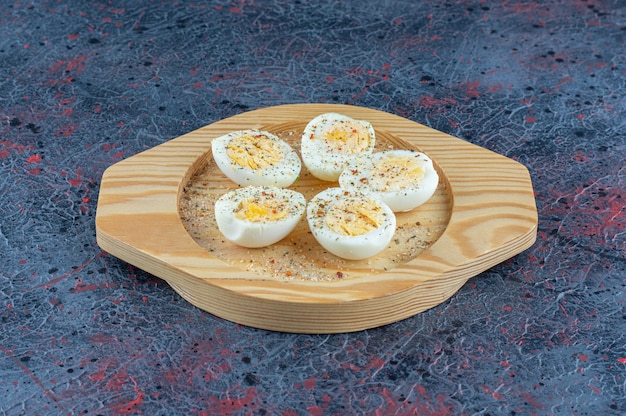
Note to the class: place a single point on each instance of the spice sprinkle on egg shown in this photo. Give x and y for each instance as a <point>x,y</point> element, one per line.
<point>331,140</point>
<point>350,224</point>
<point>256,157</point>
<point>403,179</point>
<point>258,216</point>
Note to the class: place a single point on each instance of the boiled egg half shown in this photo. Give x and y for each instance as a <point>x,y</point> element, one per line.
<point>403,179</point>
<point>349,223</point>
<point>331,140</point>
<point>258,216</point>
<point>255,157</point>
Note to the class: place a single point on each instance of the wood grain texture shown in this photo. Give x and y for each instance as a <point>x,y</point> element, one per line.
<point>485,199</point>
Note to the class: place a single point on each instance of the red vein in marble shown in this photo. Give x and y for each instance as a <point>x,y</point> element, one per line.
<point>66,275</point>
<point>26,370</point>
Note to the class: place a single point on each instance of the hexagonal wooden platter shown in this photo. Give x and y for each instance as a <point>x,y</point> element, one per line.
<point>155,212</point>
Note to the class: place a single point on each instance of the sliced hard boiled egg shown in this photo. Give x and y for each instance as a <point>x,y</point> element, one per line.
<point>258,216</point>
<point>255,157</point>
<point>350,224</point>
<point>403,179</point>
<point>331,140</point>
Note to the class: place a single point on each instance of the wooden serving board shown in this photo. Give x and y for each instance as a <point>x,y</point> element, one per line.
<point>155,212</point>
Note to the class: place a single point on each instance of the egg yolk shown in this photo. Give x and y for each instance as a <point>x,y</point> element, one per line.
<point>254,151</point>
<point>354,217</point>
<point>394,173</point>
<point>346,136</point>
<point>261,209</point>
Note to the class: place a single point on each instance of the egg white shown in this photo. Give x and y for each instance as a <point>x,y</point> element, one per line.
<point>331,140</point>
<point>351,247</point>
<point>255,157</point>
<point>403,179</point>
<point>284,207</point>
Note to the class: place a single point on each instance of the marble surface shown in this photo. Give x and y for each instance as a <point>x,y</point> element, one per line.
<point>84,85</point>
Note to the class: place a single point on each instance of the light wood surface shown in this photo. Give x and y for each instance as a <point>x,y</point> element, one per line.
<point>482,214</point>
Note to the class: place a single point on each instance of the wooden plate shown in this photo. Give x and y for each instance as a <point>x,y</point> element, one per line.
<point>155,212</point>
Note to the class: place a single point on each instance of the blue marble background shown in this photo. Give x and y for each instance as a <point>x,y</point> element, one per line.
<point>84,85</point>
